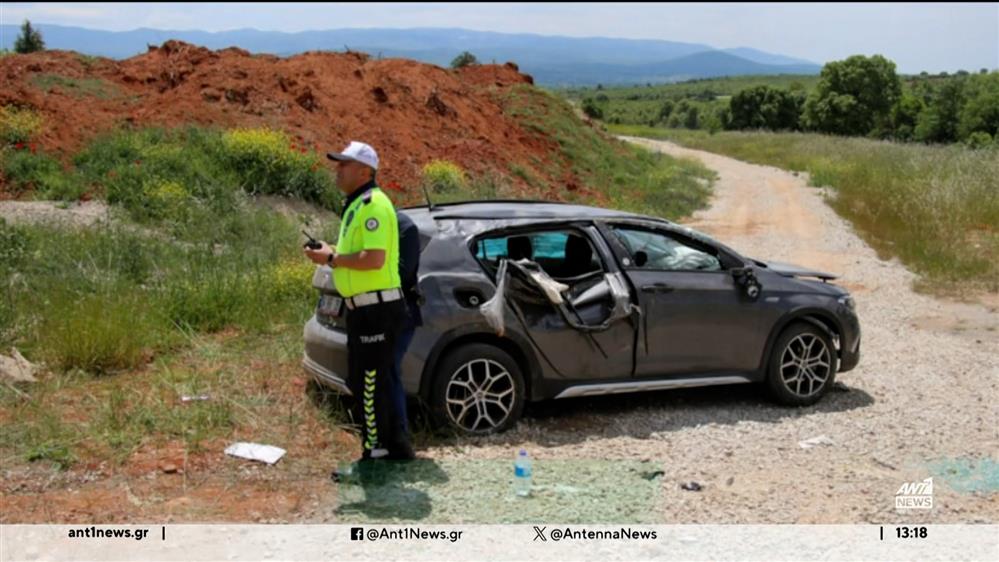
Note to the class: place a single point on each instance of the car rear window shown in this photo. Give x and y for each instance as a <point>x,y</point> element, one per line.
<point>547,248</point>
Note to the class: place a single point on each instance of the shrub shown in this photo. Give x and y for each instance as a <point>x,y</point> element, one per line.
<point>443,176</point>
<point>26,169</point>
<point>166,199</point>
<point>464,59</point>
<point>763,107</point>
<point>592,109</point>
<point>18,125</point>
<point>267,161</point>
<point>291,278</point>
<point>979,139</point>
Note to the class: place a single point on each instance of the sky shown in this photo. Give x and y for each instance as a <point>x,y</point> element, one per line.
<point>917,36</point>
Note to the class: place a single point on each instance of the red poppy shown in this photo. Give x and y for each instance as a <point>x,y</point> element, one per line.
<point>32,147</point>
<point>19,145</point>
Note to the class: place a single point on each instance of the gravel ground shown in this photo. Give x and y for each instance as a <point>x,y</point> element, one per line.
<point>921,403</point>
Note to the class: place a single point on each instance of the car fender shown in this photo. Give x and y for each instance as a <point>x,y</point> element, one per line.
<point>803,314</point>
<point>482,332</point>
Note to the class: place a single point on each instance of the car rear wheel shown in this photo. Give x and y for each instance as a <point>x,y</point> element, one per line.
<point>802,365</point>
<point>479,389</point>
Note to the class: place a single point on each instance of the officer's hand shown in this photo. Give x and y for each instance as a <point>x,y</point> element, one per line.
<point>321,254</point>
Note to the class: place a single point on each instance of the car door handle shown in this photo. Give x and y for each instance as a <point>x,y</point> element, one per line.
<point>657,288</point>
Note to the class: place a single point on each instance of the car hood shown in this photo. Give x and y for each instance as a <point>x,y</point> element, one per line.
<point>791,270</point>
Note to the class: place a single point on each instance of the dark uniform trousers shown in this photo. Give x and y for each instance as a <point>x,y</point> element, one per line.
<point>371,338</point>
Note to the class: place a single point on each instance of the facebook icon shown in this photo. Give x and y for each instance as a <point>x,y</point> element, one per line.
<point>357,533</point>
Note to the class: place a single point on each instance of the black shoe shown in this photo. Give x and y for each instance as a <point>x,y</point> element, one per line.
<point>402,451</point>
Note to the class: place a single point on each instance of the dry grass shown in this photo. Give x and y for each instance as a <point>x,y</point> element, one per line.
<point>935,207</point>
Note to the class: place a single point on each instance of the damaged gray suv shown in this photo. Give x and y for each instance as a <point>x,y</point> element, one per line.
<point>527,301</point>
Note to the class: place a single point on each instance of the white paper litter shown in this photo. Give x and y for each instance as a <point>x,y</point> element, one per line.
<point>255,452</point>
<point>820,440</point>
<point>17,368</point>
<point>186,398</point>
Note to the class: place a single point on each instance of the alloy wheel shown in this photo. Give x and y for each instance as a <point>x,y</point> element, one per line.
<point>480,395</point>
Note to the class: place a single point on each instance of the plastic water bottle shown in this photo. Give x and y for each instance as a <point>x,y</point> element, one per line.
<point>522,474</point>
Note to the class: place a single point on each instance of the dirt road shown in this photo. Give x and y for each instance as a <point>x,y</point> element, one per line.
<point>922,403</point>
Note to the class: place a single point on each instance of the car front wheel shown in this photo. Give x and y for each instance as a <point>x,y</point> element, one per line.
<point>478,390</point>
<point>802,365</point>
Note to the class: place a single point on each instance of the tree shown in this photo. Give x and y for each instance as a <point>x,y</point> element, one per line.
<point>763,107</point>
<point>854,96</point>
<point>665,110</point>
<point>981,112</point>
<point>905,115</point>
<point>938,123</point>
<point>464,59</point>
<point>592,109</point>
<point>691,120</point>
<point>30,39</point>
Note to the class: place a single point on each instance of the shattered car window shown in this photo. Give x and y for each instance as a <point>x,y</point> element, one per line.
<point>665,252</point>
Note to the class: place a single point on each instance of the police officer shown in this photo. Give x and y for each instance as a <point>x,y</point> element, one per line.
<point>409,264</point>
<point>365,266</point>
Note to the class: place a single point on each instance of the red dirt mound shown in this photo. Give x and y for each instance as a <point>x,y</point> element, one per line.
<point>409,111</point>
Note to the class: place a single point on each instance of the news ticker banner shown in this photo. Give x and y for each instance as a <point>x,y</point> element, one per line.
<point>541,542</point>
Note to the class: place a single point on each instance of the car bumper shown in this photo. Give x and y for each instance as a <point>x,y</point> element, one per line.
<point>850,354</point>
<point>850,357</point>
<point>325,356</point>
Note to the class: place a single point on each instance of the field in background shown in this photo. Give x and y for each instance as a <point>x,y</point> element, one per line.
<point>640,105</point>
<point>935,207</point>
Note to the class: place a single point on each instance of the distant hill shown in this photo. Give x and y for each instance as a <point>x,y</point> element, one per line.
<point>706,64</point>
<point>551,60</point>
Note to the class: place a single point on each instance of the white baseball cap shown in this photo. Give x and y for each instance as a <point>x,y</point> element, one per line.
<point>358,152</point>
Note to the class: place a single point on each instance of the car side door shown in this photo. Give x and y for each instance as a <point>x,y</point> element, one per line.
<point>695,317</point>
<point>575,355</point>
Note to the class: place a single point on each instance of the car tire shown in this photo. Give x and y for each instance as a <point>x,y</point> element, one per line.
<point>802,365</point>
<point>463,375</point>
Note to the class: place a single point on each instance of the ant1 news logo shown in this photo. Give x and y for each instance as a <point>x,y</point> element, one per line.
<point>915,495</point>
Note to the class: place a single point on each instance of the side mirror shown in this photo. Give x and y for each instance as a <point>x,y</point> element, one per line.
<point>641,258</point>
<point>745,277</point>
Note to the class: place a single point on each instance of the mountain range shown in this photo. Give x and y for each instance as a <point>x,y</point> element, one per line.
<point>551,60</point>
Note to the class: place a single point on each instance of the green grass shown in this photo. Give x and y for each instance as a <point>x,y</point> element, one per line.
<point>115,296</point>
<point>935,207</point>
<point>616,174</point>
<point>189,250</point>
<point>76,87</point>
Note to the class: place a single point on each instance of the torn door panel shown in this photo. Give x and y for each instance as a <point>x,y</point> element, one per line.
<point>524,282</point>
